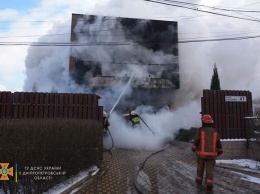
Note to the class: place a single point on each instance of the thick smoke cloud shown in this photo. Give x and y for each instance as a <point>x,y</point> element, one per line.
<point>47,67</point>
<point>237,62</point>
<point>164,123</point>
<point>123,60</point>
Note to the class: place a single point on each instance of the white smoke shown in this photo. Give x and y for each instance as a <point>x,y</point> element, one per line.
<point>111,31</point>
<point>48,66</point>
<point>237,62</point>
<point>165,125</point>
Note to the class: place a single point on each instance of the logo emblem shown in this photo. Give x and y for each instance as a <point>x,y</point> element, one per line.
<point>5,171</point>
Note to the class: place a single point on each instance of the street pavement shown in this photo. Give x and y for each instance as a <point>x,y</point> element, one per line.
<point>171,171</point>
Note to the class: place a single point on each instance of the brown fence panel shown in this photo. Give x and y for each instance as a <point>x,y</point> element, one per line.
<point>21,105</point>
<point>249,112</point>
<point>80,108</point>
<point>228,115</point>
<point>36,105</point>
<point>66,106</point>
<point>90,116</point>
<point>25,105</point>
<point>61,106</point>
<point>94,104</point>
<point>5,105</point>
<point>70,105</point>
<point>55,105</point>
<point>218,116</point>
<point>76,106</point>
<point>85,107</point>
<point>41,105</point>
<point>222,118</point>
<point>100,112</point>
<point>49,105</point>
<point>31,107</point>
<point>44,108</point>
<point>15,105</point>
<point>18,106</point>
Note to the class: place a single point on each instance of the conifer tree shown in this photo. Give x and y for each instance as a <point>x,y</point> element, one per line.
<point>215,83</point>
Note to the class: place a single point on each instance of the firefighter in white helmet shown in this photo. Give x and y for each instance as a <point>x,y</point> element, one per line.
<point>106,123</point>
<point>135,119</point>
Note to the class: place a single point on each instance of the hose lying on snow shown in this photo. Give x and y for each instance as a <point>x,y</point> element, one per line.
<point>109,164</point>
<point>140,172</point>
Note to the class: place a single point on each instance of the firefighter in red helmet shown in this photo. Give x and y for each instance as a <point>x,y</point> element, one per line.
<point>207,146</point>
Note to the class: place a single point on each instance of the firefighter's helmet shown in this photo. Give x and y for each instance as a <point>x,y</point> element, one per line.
<point>104,114</point>
<point>207,119</point>
<point>133,113</point>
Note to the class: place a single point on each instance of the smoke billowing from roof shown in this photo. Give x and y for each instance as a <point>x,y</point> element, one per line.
<point>237,62</point>
<point>119,47</point>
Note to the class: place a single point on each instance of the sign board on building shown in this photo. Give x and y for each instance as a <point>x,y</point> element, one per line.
<point>235,98</point>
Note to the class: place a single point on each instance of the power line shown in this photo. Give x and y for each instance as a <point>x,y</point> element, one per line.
<point>177,4</point>
<point>123,35</point>
<point>219,39</point>
<point>115,35</point>
<point>210,7</point>
<point>200,10</point>
<point>62,34</point>
<point>63,44</point>
<point>251,4</point>
<point>121,43</point>
<point>166,2</point>
<point>92,33</point>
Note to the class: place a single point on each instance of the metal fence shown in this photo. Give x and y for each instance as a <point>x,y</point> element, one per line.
<point>49,105</point>
<point>228,109</point>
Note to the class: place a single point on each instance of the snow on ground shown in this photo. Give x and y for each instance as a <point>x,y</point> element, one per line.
<point>248,164</point>
<point>249,178</point>
<point>251,165</point>
<point>233,140</point>
<point>68,183</point>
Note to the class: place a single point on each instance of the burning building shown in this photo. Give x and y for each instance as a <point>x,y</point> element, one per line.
<point>110,51</point>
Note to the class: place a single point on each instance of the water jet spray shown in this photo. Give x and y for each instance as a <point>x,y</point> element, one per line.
<point>128,83</point>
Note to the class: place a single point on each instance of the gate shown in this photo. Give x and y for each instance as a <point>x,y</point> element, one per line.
<point>228,109</point>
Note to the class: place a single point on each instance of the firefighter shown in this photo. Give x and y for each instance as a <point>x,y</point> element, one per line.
<point>135,119</point>
<point>105,123</point>
<point>207,146</point>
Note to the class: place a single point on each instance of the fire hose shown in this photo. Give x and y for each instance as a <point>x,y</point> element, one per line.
<point>147,125</point>
<point>109,164</point>
<point>141,166</point>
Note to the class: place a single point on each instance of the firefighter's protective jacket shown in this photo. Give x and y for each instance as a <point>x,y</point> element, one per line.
<point>135,119</point>
<point>207,143</point>
<point>105,124</point>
